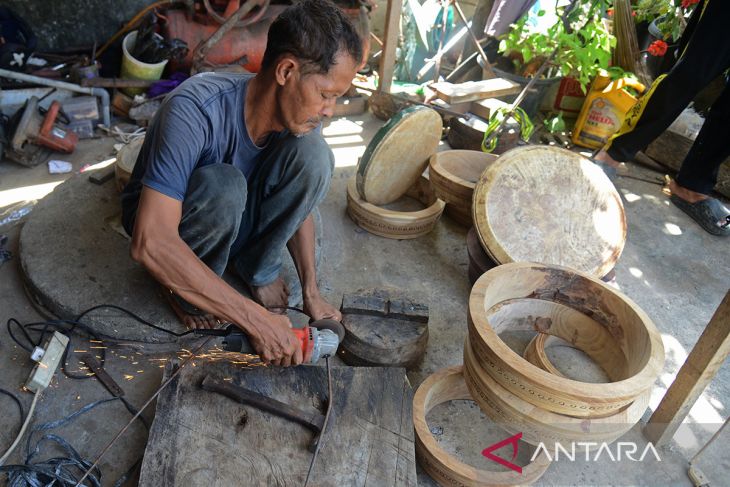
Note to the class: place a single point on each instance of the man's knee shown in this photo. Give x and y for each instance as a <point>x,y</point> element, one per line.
<point>309,158</point>
<point>216,199</point>
<point>216,187</point>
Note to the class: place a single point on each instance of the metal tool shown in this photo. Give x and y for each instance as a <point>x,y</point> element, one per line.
<point>319,339</point>
<point>327,415</point>
<point>313,420</point>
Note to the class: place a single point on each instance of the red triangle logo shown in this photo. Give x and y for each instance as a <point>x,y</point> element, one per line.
<point>487,452</point>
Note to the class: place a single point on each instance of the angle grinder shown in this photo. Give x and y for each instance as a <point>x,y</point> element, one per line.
<point>319,339</point>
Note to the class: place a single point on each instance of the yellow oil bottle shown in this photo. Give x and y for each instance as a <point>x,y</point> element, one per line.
<point>604,110</point>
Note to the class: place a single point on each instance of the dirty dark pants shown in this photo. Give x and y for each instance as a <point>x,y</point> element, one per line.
<point>705,56</point>
<point>247,223</point>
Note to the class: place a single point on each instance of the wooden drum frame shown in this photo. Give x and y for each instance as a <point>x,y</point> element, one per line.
<point>623,322</point>
<point>448,385</point>
<point>394,224</point>
<point>536,424</point>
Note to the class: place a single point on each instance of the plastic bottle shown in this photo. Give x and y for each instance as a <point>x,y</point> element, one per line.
<point>604,110</point>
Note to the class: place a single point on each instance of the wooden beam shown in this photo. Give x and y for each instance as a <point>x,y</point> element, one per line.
<point>474,90</point>
<point>390,42</point>
<point>701,365</point>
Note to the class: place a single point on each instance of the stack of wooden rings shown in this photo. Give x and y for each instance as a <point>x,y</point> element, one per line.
<point>527,395</point>
<point>479,261</point>
<point>391,167</point>
<point>550,205</point>
<point>454,174</point>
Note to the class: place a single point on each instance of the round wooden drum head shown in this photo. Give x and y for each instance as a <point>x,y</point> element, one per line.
<point>552,206</point>
<point>398,154</point>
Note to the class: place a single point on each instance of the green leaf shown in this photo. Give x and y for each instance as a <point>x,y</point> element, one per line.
<point>555,124</point>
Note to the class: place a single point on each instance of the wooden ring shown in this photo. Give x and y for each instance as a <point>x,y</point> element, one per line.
<point>389,223</point>
<point>536,355</point>
<point>576,329</point>
<point>622,320</point>
<point>479,261</point>
<point>536,424</point>
<point>448,385</point>
<point>454,174</point>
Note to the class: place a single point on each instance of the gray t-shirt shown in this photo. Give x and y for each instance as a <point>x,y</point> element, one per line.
<point>200,123</point>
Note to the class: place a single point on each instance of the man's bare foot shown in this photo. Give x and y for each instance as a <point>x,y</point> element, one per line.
<point>603,156</point>
<point>684,193</point>
<point>190,320</point>
<point>317,308</point>
<point>274,296</point>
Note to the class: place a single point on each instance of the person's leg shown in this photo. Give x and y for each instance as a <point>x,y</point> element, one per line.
<point>290,180</point>
<point>699,169</point>
<point>698,174</point>
<point>211,214</point>
<point>211,217</point>
<point>706,56</point>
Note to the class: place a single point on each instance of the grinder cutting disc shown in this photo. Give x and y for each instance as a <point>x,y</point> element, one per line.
<point>552,206</point>
<point>398,154</point>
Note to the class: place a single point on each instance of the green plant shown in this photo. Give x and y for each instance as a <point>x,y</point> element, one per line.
<point>582,48</point>
<point>670,16</point>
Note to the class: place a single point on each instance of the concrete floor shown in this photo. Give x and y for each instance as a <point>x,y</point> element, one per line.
<point>674,270</point>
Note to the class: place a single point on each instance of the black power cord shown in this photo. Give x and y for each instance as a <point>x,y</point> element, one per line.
<point>64,470</point>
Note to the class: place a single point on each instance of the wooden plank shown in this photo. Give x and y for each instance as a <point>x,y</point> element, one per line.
<point>203,438</point>
<point>475,90</point>
<point>485,108</point>
<point>390,42</point>
<point>701,365</point>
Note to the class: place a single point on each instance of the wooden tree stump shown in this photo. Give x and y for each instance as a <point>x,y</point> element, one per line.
<point>383,328</point>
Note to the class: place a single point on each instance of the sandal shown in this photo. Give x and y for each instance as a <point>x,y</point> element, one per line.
<point>712,215</point>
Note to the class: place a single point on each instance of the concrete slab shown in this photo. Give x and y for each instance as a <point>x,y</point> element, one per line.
<point>674,270</point>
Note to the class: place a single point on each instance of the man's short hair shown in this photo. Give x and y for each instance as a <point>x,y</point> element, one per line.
<point>313,31</point>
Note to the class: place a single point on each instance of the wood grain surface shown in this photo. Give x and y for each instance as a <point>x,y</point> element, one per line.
<point>448,385</point>
<point>475,90</point>
<point>200,438</point>
<point>550,205</point>
<point>579,330</point>
<point>623,321</point>
<point>391,332</point>
<point>397,155</point>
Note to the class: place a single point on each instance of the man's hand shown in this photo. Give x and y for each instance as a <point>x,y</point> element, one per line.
<point>276,343</point>
<point>317,308</point>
